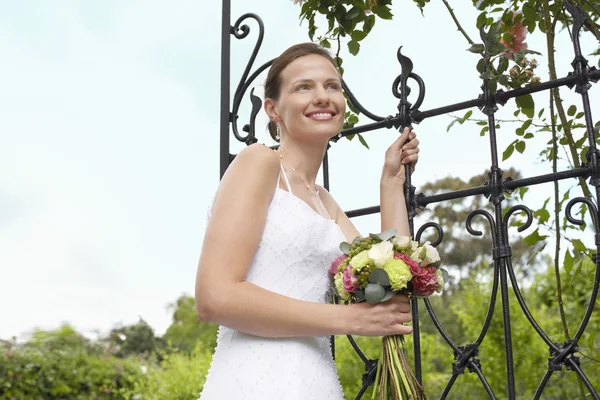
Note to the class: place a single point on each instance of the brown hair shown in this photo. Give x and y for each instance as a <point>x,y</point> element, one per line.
<point>273,82</point>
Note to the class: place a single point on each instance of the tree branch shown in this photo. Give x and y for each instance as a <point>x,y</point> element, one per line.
<point>460,28</point>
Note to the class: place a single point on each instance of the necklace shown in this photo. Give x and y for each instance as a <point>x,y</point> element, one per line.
<point>312,192</point>
<point>316,200</point>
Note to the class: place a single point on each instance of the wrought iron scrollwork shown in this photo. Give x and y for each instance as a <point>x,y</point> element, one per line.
<point>241,31</point>
<point>466,356</point>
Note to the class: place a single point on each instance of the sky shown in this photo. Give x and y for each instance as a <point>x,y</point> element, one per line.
<point>109,130</point>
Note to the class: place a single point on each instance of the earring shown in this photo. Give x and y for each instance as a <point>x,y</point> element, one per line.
<point>339,135</point>
<point>278,133</point>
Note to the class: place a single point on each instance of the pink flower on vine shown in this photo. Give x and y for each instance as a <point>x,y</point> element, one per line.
<point>518,32</point>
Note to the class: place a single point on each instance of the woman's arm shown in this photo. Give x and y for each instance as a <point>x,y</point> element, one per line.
<point>394,213</point>
<point>223,296</point>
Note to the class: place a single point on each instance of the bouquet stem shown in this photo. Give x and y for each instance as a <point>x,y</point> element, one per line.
<point>395,379</point>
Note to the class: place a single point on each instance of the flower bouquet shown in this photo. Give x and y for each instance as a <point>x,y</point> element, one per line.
<point>373,269</point>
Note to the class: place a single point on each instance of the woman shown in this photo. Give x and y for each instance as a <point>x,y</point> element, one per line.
<point>271,237</point>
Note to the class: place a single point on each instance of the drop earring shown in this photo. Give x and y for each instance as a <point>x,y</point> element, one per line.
<point>278,133</point>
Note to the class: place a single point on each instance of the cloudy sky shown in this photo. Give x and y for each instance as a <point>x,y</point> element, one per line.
<point>109,156</point>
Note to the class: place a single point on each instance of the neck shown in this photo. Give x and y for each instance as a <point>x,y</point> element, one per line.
<point>304,157</point>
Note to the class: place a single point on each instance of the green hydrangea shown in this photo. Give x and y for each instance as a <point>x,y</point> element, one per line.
<point>339,285</point>
<point>398,272</point>
<point>360,261</point>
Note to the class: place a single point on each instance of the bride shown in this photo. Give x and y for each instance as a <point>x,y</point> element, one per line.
<point>270,239</point>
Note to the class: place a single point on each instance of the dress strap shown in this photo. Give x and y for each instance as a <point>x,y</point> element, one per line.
<point>287,182</point>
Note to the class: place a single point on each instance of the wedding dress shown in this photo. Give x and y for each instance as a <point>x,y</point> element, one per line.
<point>292,259</point>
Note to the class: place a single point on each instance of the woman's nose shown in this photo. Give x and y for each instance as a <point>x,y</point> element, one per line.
<point>321,96</point>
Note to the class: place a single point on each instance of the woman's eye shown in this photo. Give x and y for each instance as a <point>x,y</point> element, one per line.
<point>302,87</point>
<point>333,86</point>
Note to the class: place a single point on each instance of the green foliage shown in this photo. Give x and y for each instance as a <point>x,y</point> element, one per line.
<point>137,339</point>
<point>61,365</point>
<point>186,330</point>
<point>180,376</point>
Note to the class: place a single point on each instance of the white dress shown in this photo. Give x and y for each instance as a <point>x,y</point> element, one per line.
<point>295,251</point>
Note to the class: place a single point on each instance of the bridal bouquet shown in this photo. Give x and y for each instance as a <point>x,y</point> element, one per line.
<point>373,269</point>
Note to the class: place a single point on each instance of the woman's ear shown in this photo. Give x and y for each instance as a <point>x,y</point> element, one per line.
<point>271,110</point>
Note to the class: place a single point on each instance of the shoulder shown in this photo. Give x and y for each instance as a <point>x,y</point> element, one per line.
<point>256,164</point>
<point>256,156</point>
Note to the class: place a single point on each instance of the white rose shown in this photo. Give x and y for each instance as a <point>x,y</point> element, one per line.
<point>381,252</point>
<point>431,255</point>
<point>403,242</point>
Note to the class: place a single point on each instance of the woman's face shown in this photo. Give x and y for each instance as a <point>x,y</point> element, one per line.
<point>311,103</point>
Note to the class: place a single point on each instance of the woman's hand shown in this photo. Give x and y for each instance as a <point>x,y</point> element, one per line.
<point>405,150</point>
<point>383,319</point>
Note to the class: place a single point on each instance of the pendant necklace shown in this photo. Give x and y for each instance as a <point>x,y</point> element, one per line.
<point>314,194</point>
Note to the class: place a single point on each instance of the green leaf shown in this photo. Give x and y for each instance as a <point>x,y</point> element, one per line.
<point>368,24</point>
<point>571,110</point>
<point>450,125</point>
<point>383,236</point>
<point>445,275</point>
<point>358,35</point>
<point>467,115</point>
<point>379,276</point>
<point>542,215</point>
<point>568,263</point>
<point>353,47</point>
<point>382,12</point>
<point>520,146</point>
<point>591,340</point>
<point>362,141</point>
<point>477,48</point>
<point>345,247</point>
<point>529,135</point>
<point>502,64</point>
<point>541,112</point>
<point>578,245</point>
<point>354,12</point>
<point>388,295</point>
<point>484,130</point>
<point>374,293</point>
<point>526,104</point>
<point>508,152</point>
<point>481,19</point>
<point>534,237</point>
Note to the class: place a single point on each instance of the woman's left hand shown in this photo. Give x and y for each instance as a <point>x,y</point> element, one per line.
<point>405,150</point>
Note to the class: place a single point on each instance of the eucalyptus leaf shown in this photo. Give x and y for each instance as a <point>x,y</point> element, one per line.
<point>383,236</point>
<point>388,295</point>
<point>379,276</point>
<point>359,294</point>
<point>357,239</point>
<point>345,247</point>
<point>445,275</point>
<point>374,293</point>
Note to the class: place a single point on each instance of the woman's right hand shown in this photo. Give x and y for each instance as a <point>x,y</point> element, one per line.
<point>383,319</point>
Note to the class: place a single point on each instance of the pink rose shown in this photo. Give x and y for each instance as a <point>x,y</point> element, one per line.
<point>426,283</point>
<point>350,281</point>
<point>518,33</point>
<point>333,269</point>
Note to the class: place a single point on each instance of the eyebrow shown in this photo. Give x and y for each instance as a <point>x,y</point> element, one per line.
<point>337,80</point>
